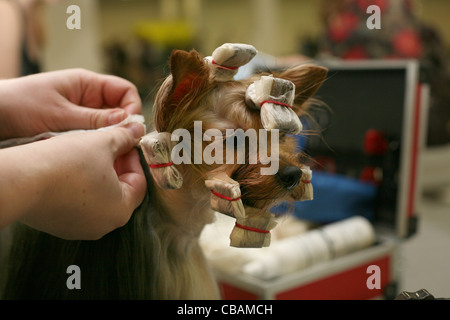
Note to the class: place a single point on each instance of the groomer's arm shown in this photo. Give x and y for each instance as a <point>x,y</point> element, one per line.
<point>73,186</point>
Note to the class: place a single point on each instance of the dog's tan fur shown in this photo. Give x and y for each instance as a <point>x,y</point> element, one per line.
<point>191,94</point>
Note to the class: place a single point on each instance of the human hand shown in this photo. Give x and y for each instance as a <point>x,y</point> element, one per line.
<point>78,185</point>
<point>64,100</point>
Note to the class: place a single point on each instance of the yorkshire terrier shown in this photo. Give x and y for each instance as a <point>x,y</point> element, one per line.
<point>157,255</point>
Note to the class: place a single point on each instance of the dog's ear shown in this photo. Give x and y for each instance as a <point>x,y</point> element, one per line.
<point>307,79</point>
<point>189,76</point>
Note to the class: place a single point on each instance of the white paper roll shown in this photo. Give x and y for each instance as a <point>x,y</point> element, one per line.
<point>311,248</point>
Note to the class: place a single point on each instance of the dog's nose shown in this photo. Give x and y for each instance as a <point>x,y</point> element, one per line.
<point>290,176</point>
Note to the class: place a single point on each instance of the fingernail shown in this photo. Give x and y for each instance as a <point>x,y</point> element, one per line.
<point>117,116</point>
<point>137,129</point>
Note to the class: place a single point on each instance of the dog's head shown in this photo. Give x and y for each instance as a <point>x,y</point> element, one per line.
<point>200,91</point>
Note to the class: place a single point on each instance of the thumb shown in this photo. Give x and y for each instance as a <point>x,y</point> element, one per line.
<point>93,118</point>
<point>125,138</point>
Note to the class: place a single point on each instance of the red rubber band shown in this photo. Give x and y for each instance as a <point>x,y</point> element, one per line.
<point>223,67</point>
<point>224,197</point>
<point>162,165</point>
<point>306,181</point>
<point>276,102</point>
<point>251,229</point>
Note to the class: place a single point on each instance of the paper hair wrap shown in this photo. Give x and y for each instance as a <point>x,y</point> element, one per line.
<point>306,181</point>
<point>252,228</point>
<point>157,150</point>
<point>274,97</point>
<point>226,60</point>
<point>225,195</point>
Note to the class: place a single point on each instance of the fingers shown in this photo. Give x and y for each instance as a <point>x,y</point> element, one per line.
<point>98,100</point>
<point>90,118</point>
<point>127,166</point>
<point>118,92</point>
<point>100,91</point>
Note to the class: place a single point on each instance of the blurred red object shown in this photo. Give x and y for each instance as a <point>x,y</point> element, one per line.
<point>342,26</point>
<point>375,143</point>
<point>408,44</point>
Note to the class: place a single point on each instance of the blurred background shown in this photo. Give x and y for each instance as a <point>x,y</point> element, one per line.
<point>133,39</point>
